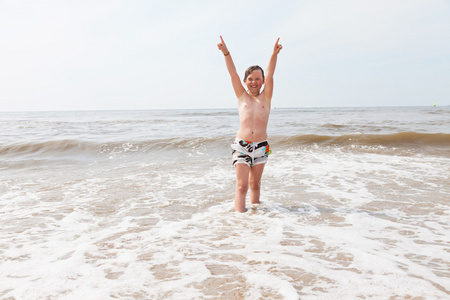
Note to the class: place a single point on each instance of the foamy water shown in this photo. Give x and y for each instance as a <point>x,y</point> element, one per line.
<point>139,205</point>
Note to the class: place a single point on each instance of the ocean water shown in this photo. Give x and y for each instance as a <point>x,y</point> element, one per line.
<point>139,205</point>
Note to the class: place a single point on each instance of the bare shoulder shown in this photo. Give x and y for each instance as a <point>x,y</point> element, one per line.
<point>245,97</point>
<point>266,95</point>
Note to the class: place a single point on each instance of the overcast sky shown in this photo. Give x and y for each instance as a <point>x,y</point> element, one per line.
<point>103,55</point>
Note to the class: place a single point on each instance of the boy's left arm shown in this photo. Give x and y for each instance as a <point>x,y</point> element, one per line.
<point>268,81</point>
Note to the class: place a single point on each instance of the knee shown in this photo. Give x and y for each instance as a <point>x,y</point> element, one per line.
<point>255,185</point>
<point>242,187</point>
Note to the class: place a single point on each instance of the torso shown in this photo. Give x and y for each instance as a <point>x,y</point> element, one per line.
<point>254,116</point>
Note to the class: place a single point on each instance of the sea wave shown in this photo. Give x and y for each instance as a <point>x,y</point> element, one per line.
<point>78,148</point>
<point>65,148</point>
<point>395,140</point>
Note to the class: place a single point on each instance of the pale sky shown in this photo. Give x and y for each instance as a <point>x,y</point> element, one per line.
<point>110,55</point>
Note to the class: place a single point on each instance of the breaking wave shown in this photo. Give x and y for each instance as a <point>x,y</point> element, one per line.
<point>396,140</point>
<point>77,148</point>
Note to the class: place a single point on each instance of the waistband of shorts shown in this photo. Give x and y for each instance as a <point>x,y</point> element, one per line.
<point>249,142</point>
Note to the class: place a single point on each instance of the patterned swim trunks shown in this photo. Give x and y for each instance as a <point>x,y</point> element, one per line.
<point>250,153</point>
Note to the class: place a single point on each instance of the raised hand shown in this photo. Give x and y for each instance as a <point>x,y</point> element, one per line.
<point>222,47</point>
<point>277,47</point>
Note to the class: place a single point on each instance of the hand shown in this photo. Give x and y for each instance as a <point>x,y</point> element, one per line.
<point>222,47</point>
<point>277,47</point>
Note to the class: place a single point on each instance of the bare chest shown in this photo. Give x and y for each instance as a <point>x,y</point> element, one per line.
<point>254,108</point>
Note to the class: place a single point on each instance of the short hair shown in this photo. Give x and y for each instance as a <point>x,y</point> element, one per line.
<point>251,69</point>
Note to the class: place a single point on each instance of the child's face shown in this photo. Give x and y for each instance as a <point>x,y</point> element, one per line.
<point>254,82</point>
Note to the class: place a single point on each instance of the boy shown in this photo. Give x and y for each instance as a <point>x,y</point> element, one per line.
<point>251,149</point>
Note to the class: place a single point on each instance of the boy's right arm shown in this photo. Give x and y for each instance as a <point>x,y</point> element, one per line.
<point>235,80</point>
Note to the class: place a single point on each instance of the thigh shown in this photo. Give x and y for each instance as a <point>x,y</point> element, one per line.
<point>242,171</point>
<point>256,172</point>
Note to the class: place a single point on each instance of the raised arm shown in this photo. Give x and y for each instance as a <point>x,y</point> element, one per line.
<point>235,80</point>
<point>268,82</point>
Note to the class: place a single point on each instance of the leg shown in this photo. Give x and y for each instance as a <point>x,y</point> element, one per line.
<point>242,171</point>
<point>255,182</point>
